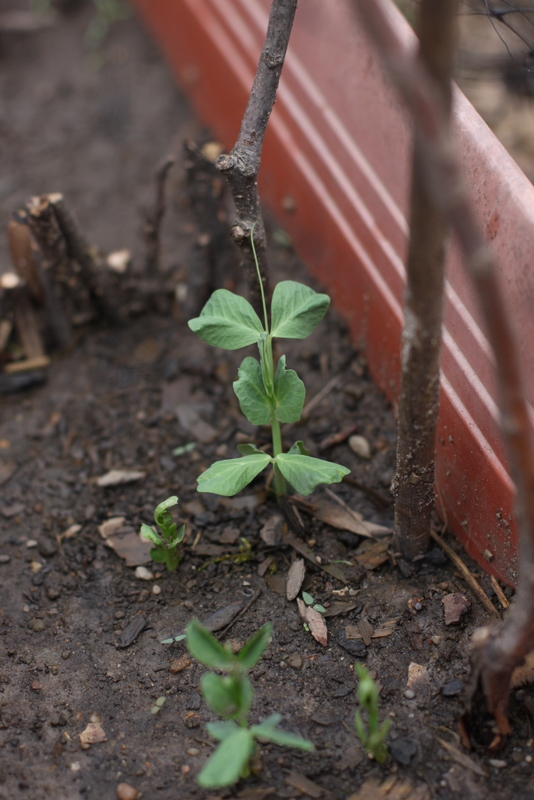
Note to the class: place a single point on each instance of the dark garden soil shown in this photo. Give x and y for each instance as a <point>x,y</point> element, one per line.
<point>126,398</point>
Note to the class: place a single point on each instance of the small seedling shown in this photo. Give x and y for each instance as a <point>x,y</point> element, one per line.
<point>372,735</point>
<point>309,600</point>
<point>230,696</point>
<point>166,544</point>
<point>268,393</point>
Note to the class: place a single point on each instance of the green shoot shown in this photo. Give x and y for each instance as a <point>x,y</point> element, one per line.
<point>268,392</point>
<point>230,697</point>
<point>166,543</point>
<point>372,735</point>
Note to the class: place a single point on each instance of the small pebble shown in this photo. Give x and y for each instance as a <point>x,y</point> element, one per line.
<point>452,688</point>
<point>36,566</point>
<point>36,625</point>
<point>497,763</point>
<point>409,694</point>
<point>528,759</point>
<point>360,446</point>
<point>295,661</point>
<point>5,559</point>
<point>31,543</point>
<point>65,654</point>
<point>186,769</point>
<point>193,751</point>
<point>53,592</point>
<point>156,589</point>
<point>143,574</point>
<point>47,547</point>
<point>142,596</point>
<point>179,664</point>
<point>126,792</point>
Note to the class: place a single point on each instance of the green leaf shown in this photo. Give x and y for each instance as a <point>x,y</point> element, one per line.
<point>305,473</point>
<point>299,448</point>
<point>289,393</point>
<point>227,321</point>
<point>266,730</point>
<point>252,651</point>
<point>149,535</point>
<point>251,394</point>
<point>205,647</point>
<point>228,761</point>
<point>158,554</point>
<point>228,477</point>
<point>308,599</point>
<point>248,449</point>
<point>221,730</point>
<point>229,696</point>
<point>296,310</point>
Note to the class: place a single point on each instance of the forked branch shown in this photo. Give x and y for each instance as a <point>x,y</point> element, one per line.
<point>498,650</point>
<point>242,165</point>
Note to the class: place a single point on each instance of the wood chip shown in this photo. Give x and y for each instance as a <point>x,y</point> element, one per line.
<point>131,632</point>
<point>463,759</point>
<point>337,608</point>
<point>503,600</point>
<point>304,785</point>
<point>295,578</point>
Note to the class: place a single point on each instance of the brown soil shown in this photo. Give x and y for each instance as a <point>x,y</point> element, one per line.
<point>66,597</point>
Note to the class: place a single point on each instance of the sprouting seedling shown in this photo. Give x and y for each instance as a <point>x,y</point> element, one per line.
<point>166,543</point>
<point>310,601</point>
<point>372,735</point>
<point>268,393</point>
<point>230,697</point>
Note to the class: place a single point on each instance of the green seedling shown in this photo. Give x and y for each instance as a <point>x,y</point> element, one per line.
<point>372,735</point>
<point>309,600</point>
<point>230,697</point>
<point>166,543</point>
<point>268,392</point>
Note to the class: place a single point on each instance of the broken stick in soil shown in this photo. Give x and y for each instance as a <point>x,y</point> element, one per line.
<point>154,218</point>
<point>500,649</point>
<point>242,165</point>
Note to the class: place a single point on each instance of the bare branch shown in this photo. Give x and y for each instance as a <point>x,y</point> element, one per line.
<point>502,648</point>
<point>154,217</point>
<point>242,165</point>
<point>413,486</point>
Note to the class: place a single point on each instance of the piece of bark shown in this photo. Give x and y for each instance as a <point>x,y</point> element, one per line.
<point>295,578</point>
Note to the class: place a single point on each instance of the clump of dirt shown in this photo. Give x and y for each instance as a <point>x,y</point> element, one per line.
<point>81,631</point>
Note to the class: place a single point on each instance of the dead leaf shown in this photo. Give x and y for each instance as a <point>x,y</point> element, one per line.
<point>337,608</point>
<point>131,632</point>
<point>271,533</point>
<point>462,759</point>
<point>304,785</point>
<point>393,788</point>
<point>372,554</point>
<point>295,578</point>
<point>117,476</point>
<point>265,564</point>
<point>353,631</point>
<point>191,421</point>
<point>125,541</point>
<point>277,583</point>
<point>315,622</point>
<point>366,630</point>
<point>346,519</point>
<point>93,734</point>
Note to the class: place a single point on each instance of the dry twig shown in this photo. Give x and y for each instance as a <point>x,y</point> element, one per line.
<point>242,165</point>
<point>500,649</point>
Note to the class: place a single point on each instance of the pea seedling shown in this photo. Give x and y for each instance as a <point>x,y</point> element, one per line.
<point>165,550</point>
<point>372,735</point>
<point>268,395</point>
<point>230,696</point>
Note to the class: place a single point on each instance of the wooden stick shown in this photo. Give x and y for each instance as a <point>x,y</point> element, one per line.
<point>154,218</point>
<point>497,650</point>
<point>242,165</point>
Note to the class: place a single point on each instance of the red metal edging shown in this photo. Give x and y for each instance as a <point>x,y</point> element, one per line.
<point>338,145</point>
